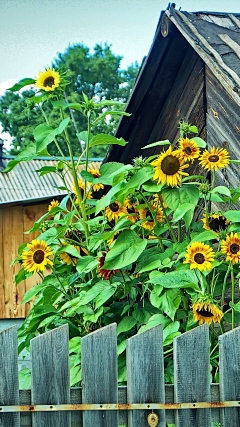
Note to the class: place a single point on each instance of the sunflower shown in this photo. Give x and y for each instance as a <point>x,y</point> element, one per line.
<point>48,80</point>
<point>130,205</point>
<point>53,204</point>
<point>69,259</point>
<point>189,150</point>
<point>218,158</point>
<point>106,274</point>
<point>96,174</point>
<point>156,200</point>
<point>81,187</point>
<point>199,256</point>
<point>74,235</point>
<point>169,168</point>
<point>231,247</point>
<point>205,310</point>
<point>146,213</point>
<point>216,222</point>
<point>37,256</point>
<point>115,210</point>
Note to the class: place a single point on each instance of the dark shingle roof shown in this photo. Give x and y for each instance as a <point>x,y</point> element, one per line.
<point>216,38</point>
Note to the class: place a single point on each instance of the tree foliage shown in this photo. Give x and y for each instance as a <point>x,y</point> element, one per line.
<point>97,74</point>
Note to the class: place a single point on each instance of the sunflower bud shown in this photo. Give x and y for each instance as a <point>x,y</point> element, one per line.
<point>139,162</point>
<point>204,188</point>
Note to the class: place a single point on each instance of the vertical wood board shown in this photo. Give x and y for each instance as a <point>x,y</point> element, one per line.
<point>2,277</point>
<point>9,389</point>
<point>229,373</point>
<point>12,238</point>
<point>145,374</point>
<point>223,131</point>
<point>50,376</point>
<point>99,375</point>
<point>192,376</point>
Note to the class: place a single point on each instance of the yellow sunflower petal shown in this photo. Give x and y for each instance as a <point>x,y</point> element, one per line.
<point>48,80</point>
<point>169,168</point>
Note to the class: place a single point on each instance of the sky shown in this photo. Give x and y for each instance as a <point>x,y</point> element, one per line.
<point>32,32</point>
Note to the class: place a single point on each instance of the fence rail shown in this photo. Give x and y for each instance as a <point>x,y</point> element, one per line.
<point>191,402</point>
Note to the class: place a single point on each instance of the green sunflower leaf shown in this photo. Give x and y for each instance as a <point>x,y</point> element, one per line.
<point>126,250</point>
<point>24,82</point>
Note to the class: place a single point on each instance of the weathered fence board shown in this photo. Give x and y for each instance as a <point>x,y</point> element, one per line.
<point>192,376</point>
<point>50,380</point>
<point>145,374</point>
<point>50,376</point>
<point>99,375</point>
<point>229,373</point>
<point>9,390</point>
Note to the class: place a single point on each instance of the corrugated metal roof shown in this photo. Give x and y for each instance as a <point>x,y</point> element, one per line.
<point>23,183</point>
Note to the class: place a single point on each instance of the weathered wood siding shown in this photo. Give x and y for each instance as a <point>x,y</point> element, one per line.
<point>175,91</point>
<point>14,221</point>
<point>223,128</point>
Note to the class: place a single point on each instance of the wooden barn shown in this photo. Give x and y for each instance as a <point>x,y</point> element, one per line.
<point>192,73</point>
<point>24,198</point>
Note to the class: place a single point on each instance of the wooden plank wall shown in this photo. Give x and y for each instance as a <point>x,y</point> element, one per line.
<point>223,128</point>
<point>14,221</point>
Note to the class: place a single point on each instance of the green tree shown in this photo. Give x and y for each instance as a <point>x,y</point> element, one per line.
<point>97,74</point>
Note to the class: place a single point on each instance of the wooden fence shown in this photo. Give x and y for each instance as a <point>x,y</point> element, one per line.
<point>100,392</point>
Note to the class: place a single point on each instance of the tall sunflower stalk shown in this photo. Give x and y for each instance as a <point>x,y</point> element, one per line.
<point>136,244</point>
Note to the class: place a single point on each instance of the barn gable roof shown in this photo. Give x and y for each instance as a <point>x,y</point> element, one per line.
<point>214,37</point>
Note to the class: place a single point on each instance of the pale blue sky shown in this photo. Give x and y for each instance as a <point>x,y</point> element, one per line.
<point>33,31</point>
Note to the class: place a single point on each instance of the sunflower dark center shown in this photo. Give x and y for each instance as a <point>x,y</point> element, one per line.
<point>205,313</point>
<point>49,81</point>
<point>170,165</point>
<point>114,207</point>
<point>130,209</point>
<point>95,175</point>
<point>149,213</point>
<point>234,248</point>
<point>217,224</point>
<point>38,256</point>
<point>214,158</point>
<point>199,258</point>
<point>188,150</point>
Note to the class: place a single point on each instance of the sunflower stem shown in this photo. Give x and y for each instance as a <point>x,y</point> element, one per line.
<point>55,141</point>
<point>154,218</point>
<point>84,215</point>
<point>168,222</point>
<point>213,182</point>
<point>206,210</point>
<point>179,231</point>
<point>222,327</point>
<point>224,287</point>
<point>216,346</point>
<point>232,280</point>
<point>87,150</point>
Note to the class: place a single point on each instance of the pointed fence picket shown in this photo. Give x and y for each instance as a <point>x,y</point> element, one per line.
<point>145,385</point>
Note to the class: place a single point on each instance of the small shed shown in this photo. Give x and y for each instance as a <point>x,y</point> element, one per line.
<point>24,198</point>
<point>192,73</point>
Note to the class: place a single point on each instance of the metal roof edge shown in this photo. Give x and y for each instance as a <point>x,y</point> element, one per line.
<point>91,159</point>
<point>29,200</point>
